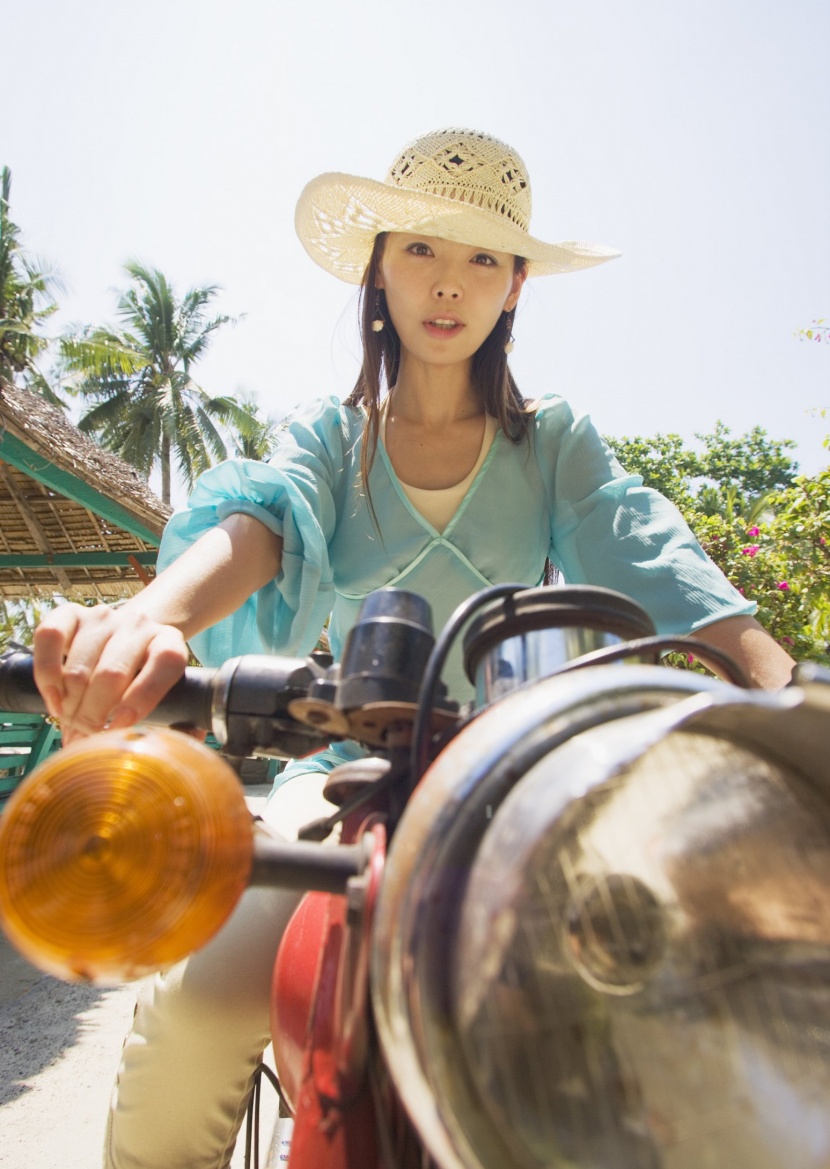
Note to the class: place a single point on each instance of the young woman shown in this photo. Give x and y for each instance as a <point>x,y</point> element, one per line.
<point>435,476</point>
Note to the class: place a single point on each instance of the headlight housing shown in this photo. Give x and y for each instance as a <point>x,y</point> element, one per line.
<point>603,937</point>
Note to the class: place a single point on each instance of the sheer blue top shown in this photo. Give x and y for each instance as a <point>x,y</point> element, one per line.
<point>561,495</point>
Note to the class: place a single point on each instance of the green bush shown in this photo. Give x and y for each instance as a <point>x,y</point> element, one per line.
<point>766,528</point>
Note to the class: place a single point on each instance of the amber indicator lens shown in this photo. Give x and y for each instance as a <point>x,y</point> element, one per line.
<point>121,854</point>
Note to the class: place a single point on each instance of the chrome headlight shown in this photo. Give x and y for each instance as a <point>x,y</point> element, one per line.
<point>603,937</point>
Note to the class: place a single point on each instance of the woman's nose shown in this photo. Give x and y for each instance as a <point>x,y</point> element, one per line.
<point>448,282</point>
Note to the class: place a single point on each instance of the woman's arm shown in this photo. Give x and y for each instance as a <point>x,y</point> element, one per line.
<point>101,665</point>
<point>608,529</point>
<point>748,643</point>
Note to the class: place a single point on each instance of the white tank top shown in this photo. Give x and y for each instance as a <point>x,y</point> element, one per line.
<point>439,505</point>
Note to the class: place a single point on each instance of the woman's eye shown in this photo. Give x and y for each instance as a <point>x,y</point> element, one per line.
<point>484,259</point>
<point>419,249</point>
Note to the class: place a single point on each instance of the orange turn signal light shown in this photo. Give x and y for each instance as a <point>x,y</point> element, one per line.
<point>121,854</point>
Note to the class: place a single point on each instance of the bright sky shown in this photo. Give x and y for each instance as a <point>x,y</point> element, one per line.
<point>692,136</point>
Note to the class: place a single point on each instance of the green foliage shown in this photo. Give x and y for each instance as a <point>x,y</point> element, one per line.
<point>744,469</point>
<point>728,477</point>
<point>26,303</point>
<point>665,463</point>
<point>145,404</point>
<point>19,618</point>
<point>818,331</point>
<point>253,437</point>
<point>766,529</point>
<point>782,563</point>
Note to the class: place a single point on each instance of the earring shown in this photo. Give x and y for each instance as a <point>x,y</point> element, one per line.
<point>379,321</point>
<point>508,345</point>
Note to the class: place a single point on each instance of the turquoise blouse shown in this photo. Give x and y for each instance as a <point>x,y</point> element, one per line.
<point>561,495</point>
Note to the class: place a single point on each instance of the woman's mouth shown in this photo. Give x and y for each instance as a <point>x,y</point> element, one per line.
<point>443,327</point>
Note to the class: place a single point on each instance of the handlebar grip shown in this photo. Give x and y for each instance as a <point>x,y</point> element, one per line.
<point>18,692</point>
<point>187,703</point>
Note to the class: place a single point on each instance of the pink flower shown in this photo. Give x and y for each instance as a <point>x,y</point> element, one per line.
<point>782,585</point>
<point>753,531</point>
<point>822,540</point>
<point>740,591</point>
<point>752,550</point>
<point>690,658</point>
<point>788,640</point>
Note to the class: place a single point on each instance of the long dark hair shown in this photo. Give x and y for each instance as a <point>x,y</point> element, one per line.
<point>382,357</point>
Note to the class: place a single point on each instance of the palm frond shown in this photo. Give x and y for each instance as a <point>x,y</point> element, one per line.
<point>145,404</point>
<point>26,300</point>
<point>100,353</point>
<point>211,435</point>
<point>37,382</point>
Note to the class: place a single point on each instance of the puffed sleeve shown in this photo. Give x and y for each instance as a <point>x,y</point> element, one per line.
<point>294,494</point>
<point>608,529</point>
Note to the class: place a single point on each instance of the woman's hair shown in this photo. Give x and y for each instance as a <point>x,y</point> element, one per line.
<point>381,360</point>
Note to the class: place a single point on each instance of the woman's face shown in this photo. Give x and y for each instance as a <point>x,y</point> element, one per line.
<point>445,298</point>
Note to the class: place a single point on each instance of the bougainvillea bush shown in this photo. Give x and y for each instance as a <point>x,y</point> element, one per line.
<point>766,528</point>
<point>782,562</point>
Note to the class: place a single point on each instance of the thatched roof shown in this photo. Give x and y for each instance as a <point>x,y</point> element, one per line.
<point>74,519</point>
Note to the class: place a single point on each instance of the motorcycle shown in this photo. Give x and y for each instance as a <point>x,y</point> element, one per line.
<point>581,921</point>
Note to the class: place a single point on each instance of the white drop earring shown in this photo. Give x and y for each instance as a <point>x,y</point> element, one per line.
<point>379,321</point>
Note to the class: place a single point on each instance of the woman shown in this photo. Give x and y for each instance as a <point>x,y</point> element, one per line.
<point>447,482</point>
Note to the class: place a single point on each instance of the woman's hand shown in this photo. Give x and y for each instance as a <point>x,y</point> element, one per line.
<point>111,666</point>
<point>101,666</point>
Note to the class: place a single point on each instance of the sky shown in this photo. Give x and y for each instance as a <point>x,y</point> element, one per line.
<point>692,136</point>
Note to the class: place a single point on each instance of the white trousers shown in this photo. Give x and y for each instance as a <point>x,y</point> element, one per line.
<point>199,1029</point>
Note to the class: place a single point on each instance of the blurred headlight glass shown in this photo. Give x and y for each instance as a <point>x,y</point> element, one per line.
<point>642,978</point>
<point>611,949</point>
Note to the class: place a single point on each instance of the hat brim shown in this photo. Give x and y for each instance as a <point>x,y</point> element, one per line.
<point>338,217</point>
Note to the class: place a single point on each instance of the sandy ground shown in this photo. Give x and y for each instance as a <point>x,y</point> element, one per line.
<point>59,1051</point>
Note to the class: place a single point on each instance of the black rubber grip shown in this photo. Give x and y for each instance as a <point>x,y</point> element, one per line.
<point>18,692</point>
<point>188,703</point>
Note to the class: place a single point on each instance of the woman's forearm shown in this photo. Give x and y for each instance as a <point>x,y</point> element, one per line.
<point>213,577</point>
<point>763,660</point>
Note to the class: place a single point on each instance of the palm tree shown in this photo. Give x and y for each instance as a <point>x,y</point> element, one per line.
<point>19,618</point>
<point>25,303</point>
<point>254,437</point>
<point>146,406</point>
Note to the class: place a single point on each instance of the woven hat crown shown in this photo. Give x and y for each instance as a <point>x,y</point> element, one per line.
<point>457,185</point>
<point>469,167</point>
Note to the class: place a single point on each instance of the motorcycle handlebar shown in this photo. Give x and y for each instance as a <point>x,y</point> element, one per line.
<point>245,703</point>
<point>18,692</point>
<point>188,703</point>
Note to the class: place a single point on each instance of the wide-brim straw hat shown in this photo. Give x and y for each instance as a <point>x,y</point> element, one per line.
<point>458,185</point>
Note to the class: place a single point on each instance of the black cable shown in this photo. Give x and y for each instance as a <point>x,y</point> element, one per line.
<point>435,664</point>
<point>426,696</point>
<point>252,1112</point>
<point>318,830</point>
<point>258,1097</point>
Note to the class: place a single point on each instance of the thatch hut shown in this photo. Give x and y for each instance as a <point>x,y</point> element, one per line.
<point>75,520</point>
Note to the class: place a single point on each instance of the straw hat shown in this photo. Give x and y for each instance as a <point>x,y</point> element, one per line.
<point>458,185</point>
